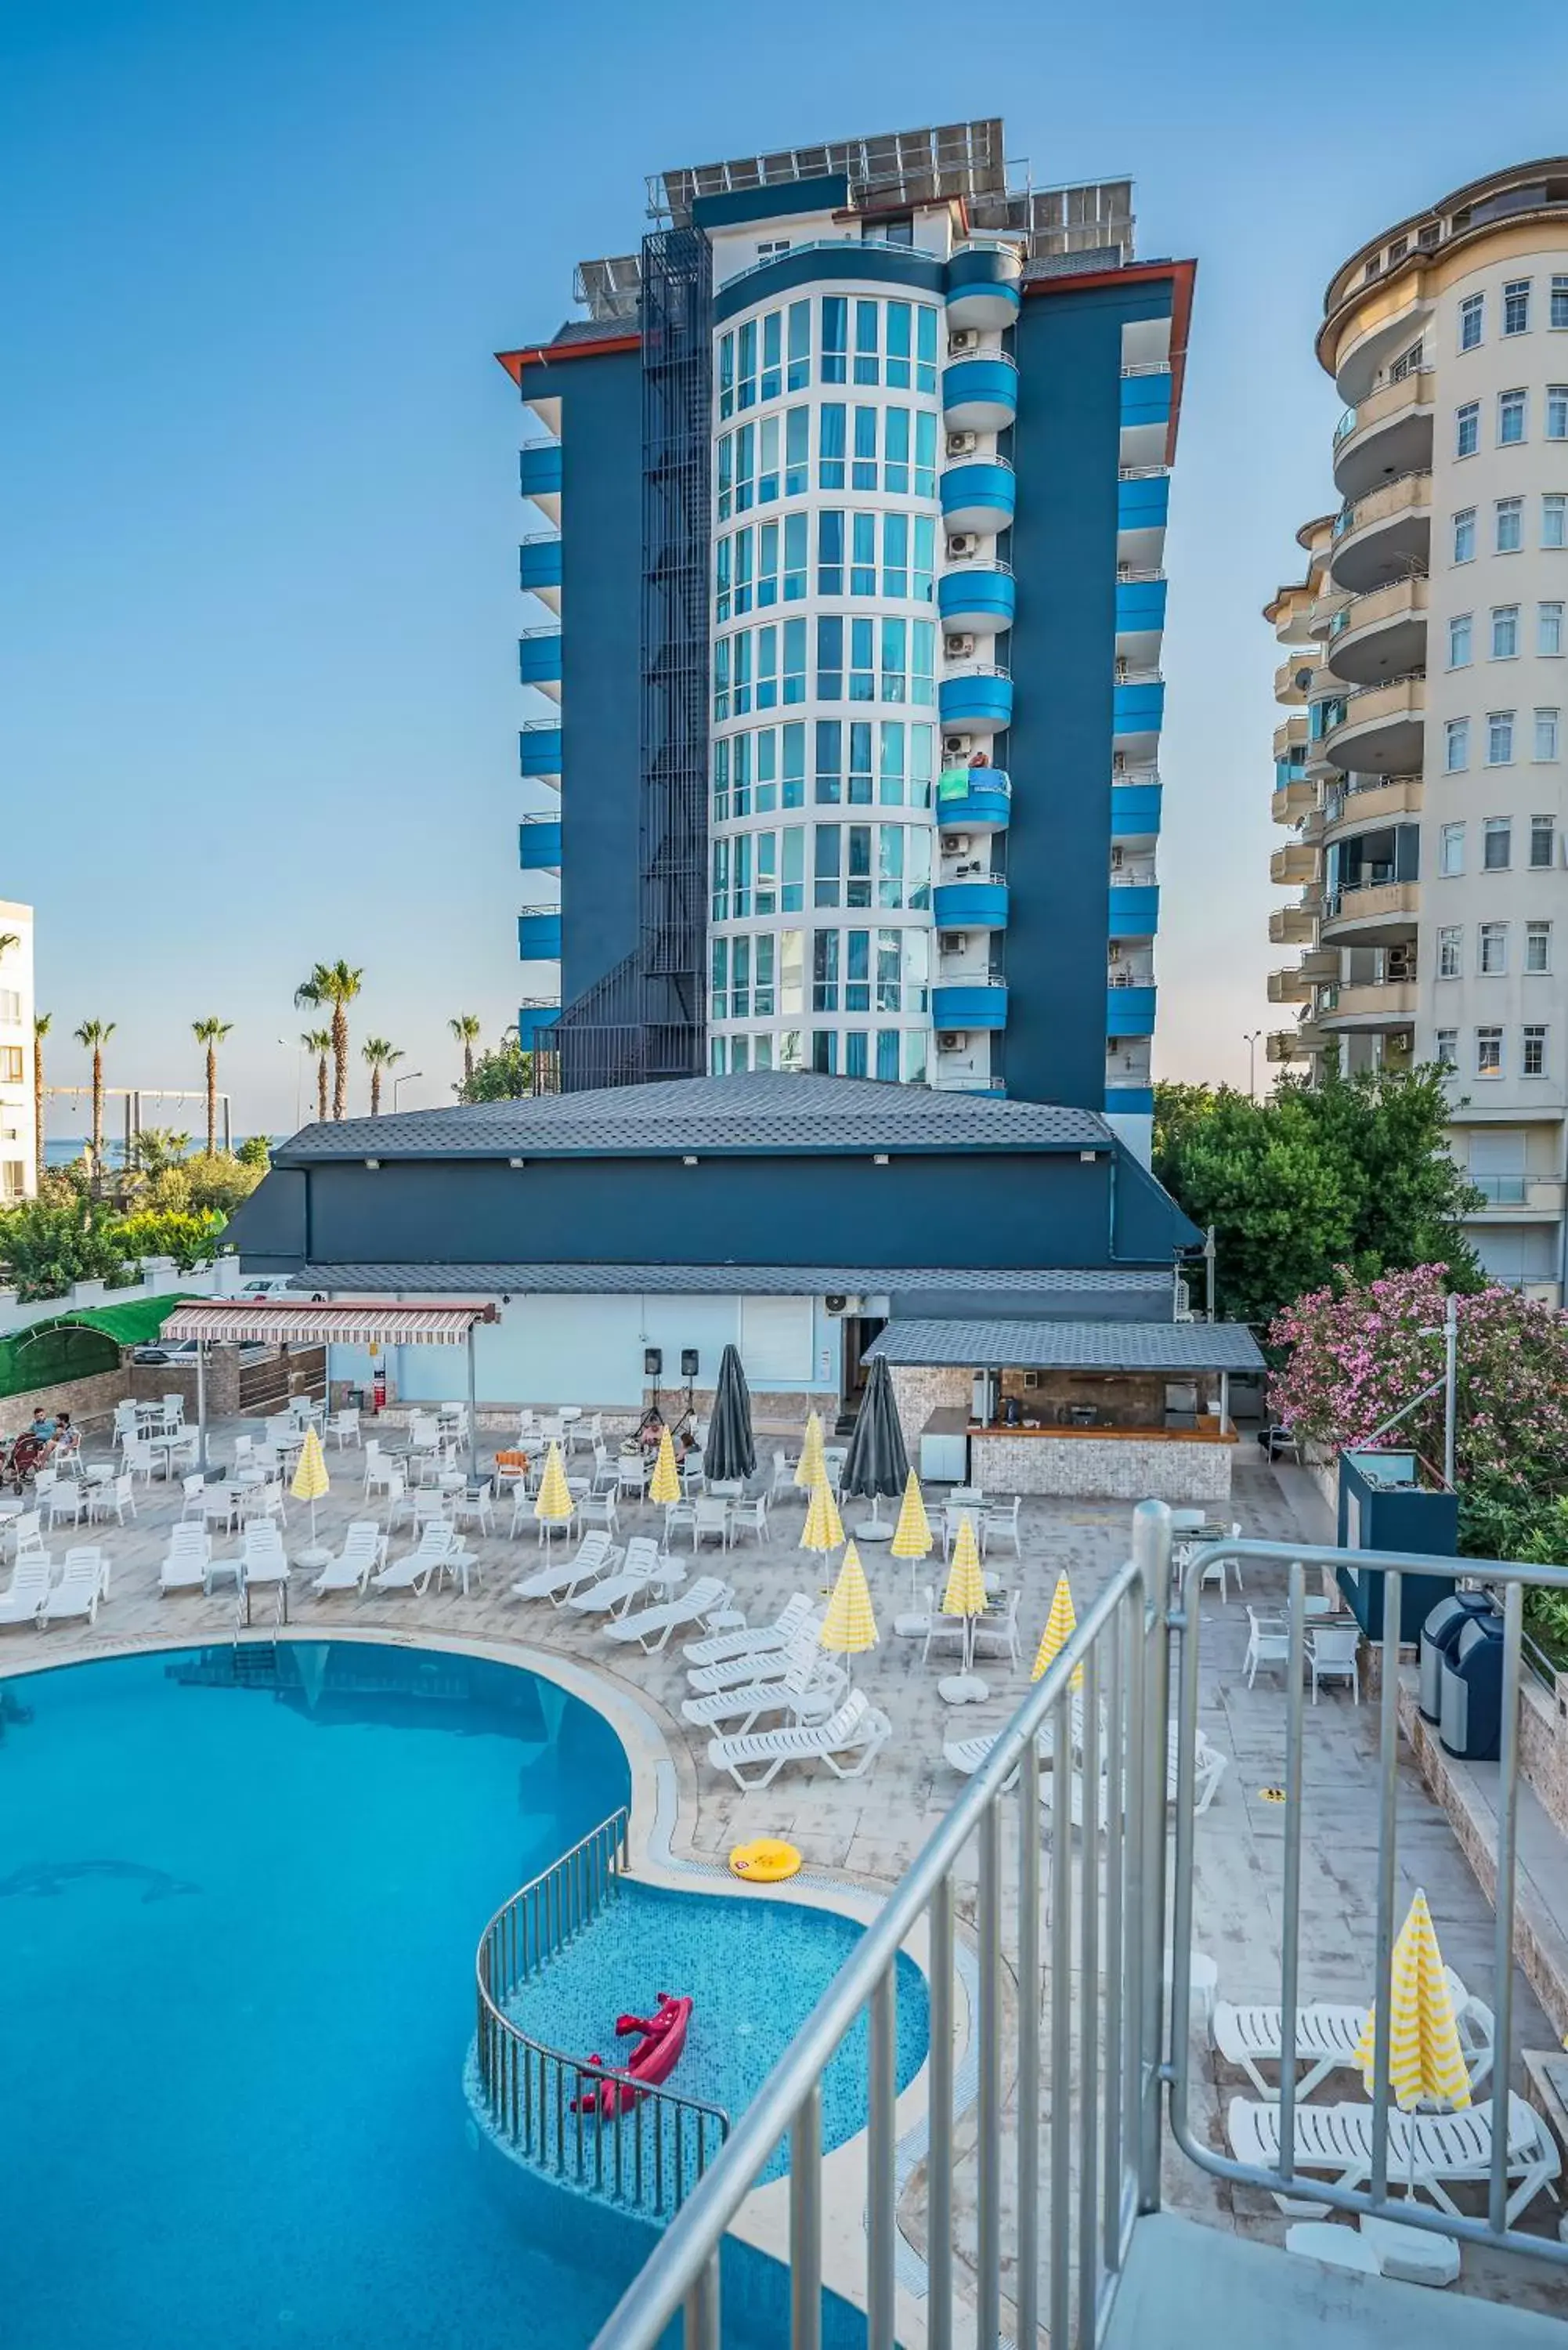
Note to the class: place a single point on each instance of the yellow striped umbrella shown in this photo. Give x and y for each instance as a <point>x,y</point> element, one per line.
<point>811,1469</point>
<point>666,1484</point>
<point>824,1528</point>
<point>1425,2059</point>
<point>554,1505</point>
<point>965,1594</point>
<point>912,1536</point>
<point>1060,1625</point>
<point>310,1478</point>
<point>849,1628</point>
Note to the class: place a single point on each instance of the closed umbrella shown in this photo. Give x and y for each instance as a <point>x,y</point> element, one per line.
<point>824,1528</point>
<point>730,1450</point>
<point>554,1505</point>
<point>1425,2059</point>
<point>310,1478</point>
<point>810,1467</point>
<point>965,1597</point>
<point>849,1626</point>
<point>1060,1625</point>
<point>665,1485</point>
<point>912,1534</point>
<point>877,1462</point>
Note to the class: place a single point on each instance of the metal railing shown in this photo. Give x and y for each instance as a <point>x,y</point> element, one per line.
<point>1063,2205</point>
<point>1140,472</point>
<point>656,2144</point>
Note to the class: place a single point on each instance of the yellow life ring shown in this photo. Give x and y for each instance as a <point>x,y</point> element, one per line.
<point>765,1862</point>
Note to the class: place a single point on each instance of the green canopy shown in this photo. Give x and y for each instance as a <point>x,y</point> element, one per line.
<point>80,1341</point>
<point>137,1323</point>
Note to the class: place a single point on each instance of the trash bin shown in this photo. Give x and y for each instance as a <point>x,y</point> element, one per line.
<point>1439,1639</point>
<point>1470,1722</point>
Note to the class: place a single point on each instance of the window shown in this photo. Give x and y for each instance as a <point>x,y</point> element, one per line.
<point>824,1052</point>
<point>862,661</point>
<point>899,353</point>
<point>794,660</point>
<point>1467,429</point>
<point>1465,535</point>
<point>745,461</point>
<point>797,451</point>
<point>768,461</point>
<point>926,349</point>
<point>792,893</point>
<point>830,659</point>
<point>1542,834</point>
<point>796,532</point>
<point>1516,306</point>
<point>1472,313</point>
<point>895,654</point>
<point>1537,949</point>
<point>1549,628</point>
<point>1560,302</point>
<point>743,543</point>
<point>896,555</point>
<point>921,587</point>
<point>830,445</point>
<point>1452,851</point>
<point>726,375</point>
<point>895,451</point>
<point>854,1064</point>
<point>1460,642</point>
<point>741,797</point>
<point>1554,518</point>
<point>721,677</point>
<point>792,782</point>
<point>1496,853</point>
<point>1510,419</point>
<point>863,472</point>
<point>828,850</point>
<point>726,489</point>
<point>722,557</point>
<point>1450,953</point>
<point>861,763</point>
<point>741,655</point>
<point>868,342</point>
<point>1546,734</point>
<point>1488,1051</point>
<point>829,552</point>
<point>741,876</point>
<point>857,971</point>
<point>887,1055</point>
<point>924,454</point>
<point>922,660</point>
<point>1498,738</point>
<point>720,900</point>
<point>1557,411</point>
<point>1492,950</point>
<point>1504,631</point>
<point>858,865</point>
<point>773,347</point>
<point>721,779</point>
<point>721,995</point>
<point>1533,1053</point>
<point>798,375</point>
<point>1509,525</point>
<point>834,338</point>
<point>1457,746</point>
<point>863,555</point>
<point>1448,1047</point>
<point>825,971</point>
<point>772,248</point>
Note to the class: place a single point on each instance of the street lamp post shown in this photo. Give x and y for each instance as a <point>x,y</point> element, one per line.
<point>1250,1038</point>
<point>406,1079</point>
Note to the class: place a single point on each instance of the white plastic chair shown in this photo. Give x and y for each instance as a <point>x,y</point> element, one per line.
<point>345,1425</point>
<point>750,1514</point>
<point>597,1509</point>
<point>195,1489</point>
<point>1268,1642</point>
<point>66,1500</point>
<point>1330,1654</point>
<point>107,1500</point>
<point>1001,1525</point>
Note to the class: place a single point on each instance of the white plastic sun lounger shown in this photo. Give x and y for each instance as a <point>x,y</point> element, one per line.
<point>364,1550</point>
<point>612,1595</point>
<point>437,1547</point>
<point>78,1590</point>
<point>755,1664</point>
<point>726,1647</point>
<point>27,1589</point>
<point>1429,2153</point>
<point>653,1626</point>
<point>849,1744</point>
<point>1328,2035</point>
<point>188,1560</point>
<point>594,1556</point>
<point>808,1692</point>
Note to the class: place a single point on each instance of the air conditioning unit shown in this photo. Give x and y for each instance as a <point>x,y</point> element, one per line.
<point>963,342</point>
<point>957,747</point>
<point>962,545</point>
<point>1117,858</point>
<point>838,1303</point>
<point>952,942</point>
<point>960,648</point>
<point>949,1040</point>
<point>955,843</point>
<point>962,444</point>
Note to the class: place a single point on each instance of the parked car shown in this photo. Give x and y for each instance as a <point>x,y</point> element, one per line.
<point>180,1351</point>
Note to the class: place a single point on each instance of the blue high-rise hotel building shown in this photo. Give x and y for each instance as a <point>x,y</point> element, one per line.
<point>849,596</point>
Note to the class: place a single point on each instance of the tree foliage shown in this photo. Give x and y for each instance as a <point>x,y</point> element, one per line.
<point>504,1074</point>
<point>47,1243</point>
<point>1351,1172</point>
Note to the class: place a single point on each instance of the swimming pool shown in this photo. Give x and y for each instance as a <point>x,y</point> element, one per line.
<point>237,1925</point>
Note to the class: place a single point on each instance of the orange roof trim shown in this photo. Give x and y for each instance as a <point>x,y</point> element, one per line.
<point>552,354</point>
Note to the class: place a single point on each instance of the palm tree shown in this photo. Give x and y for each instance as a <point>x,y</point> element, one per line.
<point>465,1028</point>
<point>380,1055</point>
<point>211,1034</point>
<point>319,1042</point>
<point>336,985</point>
<point>92,1036</point>
<point>41,1020</point>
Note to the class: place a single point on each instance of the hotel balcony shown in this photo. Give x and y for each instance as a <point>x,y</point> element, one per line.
<point>1379,635</point>
<point>1381,1003</point>
<point>976,598</point>
<point>1376,801</point>
<point>1396,316</point>
<point>1294,926</point>
<point>1389,432</point>
<point>1294,800</point>
<point>961,1005</point>
<point>1290,985</point>
<point>1134,908</point>
<point>539,844</point>
<point>539,750</point>
<point>1296,864</point>
<point>1140,620</point>
<point>1385,535</point>
<point>539,937</point>
<point>1130,1006</point>
<point>1517,1199</point>
<point>1145,414</point>
<point>539,469</point>
<point>975,700</point>
<point>539,568</point>
<point>1381,731</point>
<point>1139,714</point>
<point>1143,505</point>
<point>973,799</point>
<point>982,287</point>
<point>979,904</point>
<point>536,1017</point>
<point>1135,808</point>
<point>1301,1043</point>
<point>539,661</point>
<point>1293,676</point>
<point>1291,738</point>
<point>980,393</point>
<point>978,494</point>
<point>1290,612</point>
<point>1372,914</point>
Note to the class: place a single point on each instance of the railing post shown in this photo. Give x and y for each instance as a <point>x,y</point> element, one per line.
<point>1151,1554</point>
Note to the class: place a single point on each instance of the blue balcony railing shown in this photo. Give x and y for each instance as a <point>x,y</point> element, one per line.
<point>1134,910</point>
<point>539,562</point>
<point>976,596</point>
<point>539,938</point>
<point>539,469</point>
<point>975,1003</point>
<point>979,394</point>
<point>1129,1011</point>
<point>1135,810</point>
<point>539,749</point>
<point>539,657</point>
<point>973,798</point>
<point>539,844</point>
<point>1140,607</point>
<point>978,495</point>
<point>1140,706</point>
<point>1143,500</point>
<point>983,286</point>
<point>1145,397</point>
<point>978,905</point>
<point>977,700</point>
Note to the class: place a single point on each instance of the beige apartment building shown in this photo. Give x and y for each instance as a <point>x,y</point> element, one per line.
<point>1419,769</point>
<point>18,1134</point>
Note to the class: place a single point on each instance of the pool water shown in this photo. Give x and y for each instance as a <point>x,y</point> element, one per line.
<point>237,1929</point>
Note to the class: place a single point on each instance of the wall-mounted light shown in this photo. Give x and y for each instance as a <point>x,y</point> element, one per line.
<point>688,1162</point>
<point>878,1159</point>
<point>517,1163</point>
<point>506,1297</point>
<point>1088,1157</point>
<point>373,1164</point>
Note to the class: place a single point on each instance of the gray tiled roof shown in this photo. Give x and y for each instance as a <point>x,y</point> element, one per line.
<point>594,330</point>
<point>1168,1346</point>
<point>765,1112</point>
<point>728,1280</point>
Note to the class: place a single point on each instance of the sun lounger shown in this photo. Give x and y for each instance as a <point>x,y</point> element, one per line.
<point>1327,2033</point>
<point>28,1588</point>
<point>725,1647</point>
<point>645,1570</point>
<point>78,1590</point>
<point>364,1550</point>
<point>1427,2153</point>
<point>754,1664</point>
<point>653,1626</point>
<point>188,1559</point>
<point>596,1555</point>
<point>808,1692</point>
<point>438,1548</point>
<point>849,1744</point>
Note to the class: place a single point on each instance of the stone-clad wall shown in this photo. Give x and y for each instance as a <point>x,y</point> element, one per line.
<point>919,1389</point>
<point>1115,1469</point>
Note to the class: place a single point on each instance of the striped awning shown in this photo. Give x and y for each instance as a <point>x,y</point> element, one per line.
<point>230,1321</point>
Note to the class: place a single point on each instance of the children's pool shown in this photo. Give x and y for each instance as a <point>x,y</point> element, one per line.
<point>237,1929</point>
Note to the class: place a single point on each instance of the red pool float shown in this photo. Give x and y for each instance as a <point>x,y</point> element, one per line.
<point>655,2057</point>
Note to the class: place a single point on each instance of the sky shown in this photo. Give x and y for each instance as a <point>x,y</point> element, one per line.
<point>258,508</point>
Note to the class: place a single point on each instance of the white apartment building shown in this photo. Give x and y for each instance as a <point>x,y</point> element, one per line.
<point>1420,768</point>
<point>18,1133</point>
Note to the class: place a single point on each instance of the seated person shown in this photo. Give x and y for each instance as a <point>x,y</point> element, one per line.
<point>67,1437</point>
<point>43,1427</point>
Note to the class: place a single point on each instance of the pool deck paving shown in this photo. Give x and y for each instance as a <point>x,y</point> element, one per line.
<point>869,1830</point>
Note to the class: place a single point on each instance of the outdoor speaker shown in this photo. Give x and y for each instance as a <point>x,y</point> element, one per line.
<point>652,1362</point>
<point>688,1362</point>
